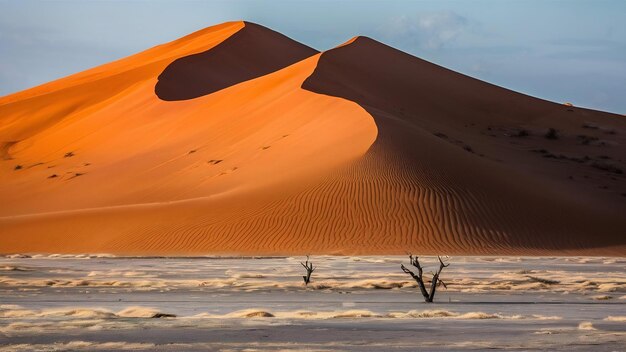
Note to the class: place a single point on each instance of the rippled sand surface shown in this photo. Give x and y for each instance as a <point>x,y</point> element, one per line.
<point>100,302</point>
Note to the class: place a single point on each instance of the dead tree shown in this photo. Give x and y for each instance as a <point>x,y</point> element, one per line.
<point>436,281</point>
<point>309,270</point>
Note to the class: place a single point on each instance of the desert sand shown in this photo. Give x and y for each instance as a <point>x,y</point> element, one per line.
<point>237,139</point>
<point>80,303</point>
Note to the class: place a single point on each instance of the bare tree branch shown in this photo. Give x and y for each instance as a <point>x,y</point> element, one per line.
<point>309,270</point>
<point>435,282</point>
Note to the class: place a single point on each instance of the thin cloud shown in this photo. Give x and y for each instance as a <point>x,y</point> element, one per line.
<point>430,31</point>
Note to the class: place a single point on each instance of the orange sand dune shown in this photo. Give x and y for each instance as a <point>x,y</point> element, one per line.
<point>236,139</point>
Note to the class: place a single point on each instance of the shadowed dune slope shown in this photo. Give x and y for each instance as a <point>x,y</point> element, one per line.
<point>437,177</point>
<point>362,149</point>
<point>252,52</point>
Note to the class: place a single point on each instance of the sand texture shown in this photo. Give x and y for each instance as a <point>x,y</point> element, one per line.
<point>237,139</point>
<point>107,303</point>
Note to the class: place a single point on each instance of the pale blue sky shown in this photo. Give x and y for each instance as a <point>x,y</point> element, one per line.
<point>558,50</point>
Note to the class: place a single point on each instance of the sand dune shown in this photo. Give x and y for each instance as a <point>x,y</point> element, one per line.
<point>236,139</point>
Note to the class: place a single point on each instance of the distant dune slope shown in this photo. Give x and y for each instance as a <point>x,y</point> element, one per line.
<point>236,139</point>
<point>252,52</point>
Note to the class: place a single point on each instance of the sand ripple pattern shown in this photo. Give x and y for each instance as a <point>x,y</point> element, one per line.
<point>393,199</point>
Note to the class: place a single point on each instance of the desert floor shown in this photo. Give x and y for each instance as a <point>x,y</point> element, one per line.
<point>69,303</point>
